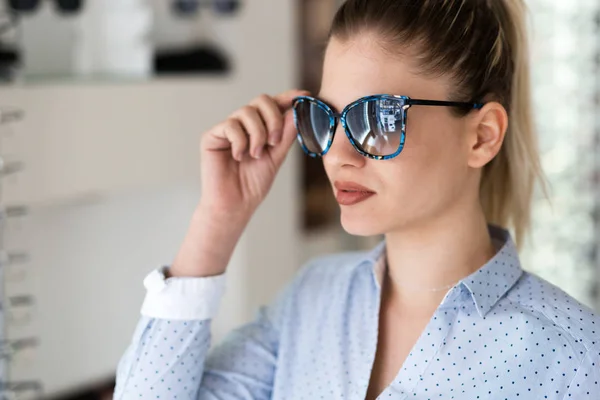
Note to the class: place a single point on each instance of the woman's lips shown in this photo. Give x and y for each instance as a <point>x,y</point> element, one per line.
<point>350,193</point>
<point>351,198</point>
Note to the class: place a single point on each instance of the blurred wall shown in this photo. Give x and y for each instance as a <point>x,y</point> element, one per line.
<point>111,180</point>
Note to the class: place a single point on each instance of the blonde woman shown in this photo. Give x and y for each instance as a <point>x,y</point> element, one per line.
<point>424,125</point>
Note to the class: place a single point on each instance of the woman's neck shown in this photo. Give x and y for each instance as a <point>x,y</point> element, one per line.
<point>434,256</point>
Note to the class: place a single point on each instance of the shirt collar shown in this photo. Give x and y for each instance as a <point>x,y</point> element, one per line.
<point>487,285</point>
<point>492,281</point>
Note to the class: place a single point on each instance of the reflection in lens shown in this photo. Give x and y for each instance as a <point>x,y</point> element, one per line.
<point>376,126</point>
<point>313,126</point>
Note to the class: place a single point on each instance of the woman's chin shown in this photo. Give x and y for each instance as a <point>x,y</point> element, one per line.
<point>361,226</point>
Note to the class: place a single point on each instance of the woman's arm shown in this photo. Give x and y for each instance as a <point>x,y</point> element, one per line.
<point>169,359</point>
<point>164,361</point>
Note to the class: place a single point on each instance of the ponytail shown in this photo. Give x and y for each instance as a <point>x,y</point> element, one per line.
<point>508,181</point>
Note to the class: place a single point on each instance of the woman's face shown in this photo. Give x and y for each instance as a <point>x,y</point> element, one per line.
<point>430,177</point>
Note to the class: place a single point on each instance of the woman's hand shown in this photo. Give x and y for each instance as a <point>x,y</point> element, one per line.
<point>240,156</point>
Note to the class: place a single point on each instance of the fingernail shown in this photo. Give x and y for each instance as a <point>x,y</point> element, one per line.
<point>258,153</point>
<point>274,138</point>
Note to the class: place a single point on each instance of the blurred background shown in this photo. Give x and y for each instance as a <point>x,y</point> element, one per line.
<point>101,108</point>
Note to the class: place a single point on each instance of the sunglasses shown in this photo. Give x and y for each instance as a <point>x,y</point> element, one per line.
<point>28,6</point>
<point>375,125</point>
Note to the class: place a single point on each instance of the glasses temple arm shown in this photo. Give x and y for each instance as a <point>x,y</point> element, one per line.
<point>440,103</point>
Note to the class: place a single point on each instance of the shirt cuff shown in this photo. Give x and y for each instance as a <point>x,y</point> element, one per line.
<point>182,298</point>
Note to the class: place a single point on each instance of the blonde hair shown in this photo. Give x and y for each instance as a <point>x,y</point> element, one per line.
<point>484,46</point>
<point>508,181</point>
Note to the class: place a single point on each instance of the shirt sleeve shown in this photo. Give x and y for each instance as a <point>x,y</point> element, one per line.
<point>169,355</point>
<point>586,383</point>
<point>178,298</point>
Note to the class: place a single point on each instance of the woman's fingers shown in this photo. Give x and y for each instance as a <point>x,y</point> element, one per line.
<point>280,151</point>
<point>234,132</point>
<point>272,117</point>
<point>255,128</point>
<point>266,120</point>
<point>284,100</point>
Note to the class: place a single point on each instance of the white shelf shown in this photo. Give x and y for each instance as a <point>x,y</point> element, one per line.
<point>112,176</point>
<point>97,139</point>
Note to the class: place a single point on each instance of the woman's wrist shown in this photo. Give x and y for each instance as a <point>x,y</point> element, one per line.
<point>208,244</point>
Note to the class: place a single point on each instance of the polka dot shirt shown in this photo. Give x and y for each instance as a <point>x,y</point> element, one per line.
<point>501,333</point>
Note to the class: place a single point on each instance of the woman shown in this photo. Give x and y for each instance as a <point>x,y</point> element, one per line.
<point>442,308</point>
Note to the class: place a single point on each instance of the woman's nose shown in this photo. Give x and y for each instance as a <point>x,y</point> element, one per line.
<point>342,153</point>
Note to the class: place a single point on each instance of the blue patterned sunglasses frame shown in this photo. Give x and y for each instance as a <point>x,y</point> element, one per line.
<point>404,102</point>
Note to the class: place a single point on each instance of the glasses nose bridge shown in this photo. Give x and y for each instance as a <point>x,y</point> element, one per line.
<point>337,118</point>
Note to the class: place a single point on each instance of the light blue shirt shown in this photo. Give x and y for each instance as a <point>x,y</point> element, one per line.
<point>501,333</point>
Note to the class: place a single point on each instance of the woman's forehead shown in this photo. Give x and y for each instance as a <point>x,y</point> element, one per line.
<point>358,68</point>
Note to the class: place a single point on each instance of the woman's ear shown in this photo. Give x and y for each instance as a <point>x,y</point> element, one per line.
<point>486,134</point>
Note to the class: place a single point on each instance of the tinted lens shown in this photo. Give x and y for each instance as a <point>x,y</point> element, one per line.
<point>376,126</point>
<point>313,126</point>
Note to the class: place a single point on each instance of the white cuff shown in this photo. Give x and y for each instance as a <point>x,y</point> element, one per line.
<point>179,298</point>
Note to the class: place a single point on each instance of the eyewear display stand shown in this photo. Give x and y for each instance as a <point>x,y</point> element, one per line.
<point>16,309</point>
